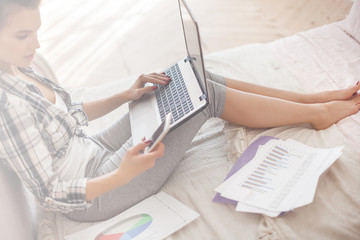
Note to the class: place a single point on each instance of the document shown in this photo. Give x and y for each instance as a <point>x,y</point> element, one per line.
<point>282,175</point>
<point>154,218</point>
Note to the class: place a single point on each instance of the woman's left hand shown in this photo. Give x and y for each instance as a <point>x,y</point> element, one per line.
<point>138,89</point>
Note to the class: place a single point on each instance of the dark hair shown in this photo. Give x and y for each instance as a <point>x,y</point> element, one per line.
<point>7,6</point>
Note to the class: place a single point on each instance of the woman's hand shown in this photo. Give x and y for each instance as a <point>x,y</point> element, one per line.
<point>101,107</point>
<point>135,162</point>
<point>138,89</point>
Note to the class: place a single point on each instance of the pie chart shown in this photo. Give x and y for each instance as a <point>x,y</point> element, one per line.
<point>126,229</point>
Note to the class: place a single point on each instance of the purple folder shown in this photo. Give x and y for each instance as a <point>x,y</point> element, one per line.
<point>248,154</point>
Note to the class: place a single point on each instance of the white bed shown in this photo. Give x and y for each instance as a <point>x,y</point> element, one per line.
<point>320,59</point>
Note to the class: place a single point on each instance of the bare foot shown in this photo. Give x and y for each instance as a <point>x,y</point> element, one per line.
<point>342,94</point>
<point>334,111</point>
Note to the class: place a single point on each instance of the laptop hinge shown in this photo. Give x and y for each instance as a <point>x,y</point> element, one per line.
<point>202,97</point>
<point>189,58</point>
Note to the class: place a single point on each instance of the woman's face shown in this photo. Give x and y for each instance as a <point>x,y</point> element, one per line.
<point>18,37</point>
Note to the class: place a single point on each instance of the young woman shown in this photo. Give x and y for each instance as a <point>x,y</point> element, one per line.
<point>95,178</point>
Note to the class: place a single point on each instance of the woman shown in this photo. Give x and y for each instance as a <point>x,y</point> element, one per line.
<point>95,178</point>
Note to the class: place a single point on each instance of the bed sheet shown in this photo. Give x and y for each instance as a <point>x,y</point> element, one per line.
<point>312,61</point>
<point>324,58</point>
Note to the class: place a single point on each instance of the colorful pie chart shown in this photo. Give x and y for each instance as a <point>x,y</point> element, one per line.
<point>126,229</point>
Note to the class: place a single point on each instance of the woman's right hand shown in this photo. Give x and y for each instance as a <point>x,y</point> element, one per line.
<point>135,162</point>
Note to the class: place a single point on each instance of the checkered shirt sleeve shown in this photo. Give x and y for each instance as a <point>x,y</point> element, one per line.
<point>23,149</point>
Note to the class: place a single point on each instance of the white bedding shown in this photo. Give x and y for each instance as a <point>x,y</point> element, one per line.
<point>320,59</point>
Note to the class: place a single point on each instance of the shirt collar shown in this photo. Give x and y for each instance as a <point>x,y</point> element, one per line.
<point>12,83</point>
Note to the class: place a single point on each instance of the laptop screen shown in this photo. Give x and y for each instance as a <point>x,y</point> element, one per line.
<point>192,41</point>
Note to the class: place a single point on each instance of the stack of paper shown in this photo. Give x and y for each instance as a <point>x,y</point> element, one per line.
<point>282,176</point>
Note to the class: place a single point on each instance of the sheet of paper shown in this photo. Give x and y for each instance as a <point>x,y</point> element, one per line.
<point>154,218</point>
<point>308,195</point>
<point>242,207</point>
<point>278,176</point>
<point>244,170</point>
<point>243,160</point>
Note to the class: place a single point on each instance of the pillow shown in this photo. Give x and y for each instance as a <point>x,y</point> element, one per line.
<point>352,21</point>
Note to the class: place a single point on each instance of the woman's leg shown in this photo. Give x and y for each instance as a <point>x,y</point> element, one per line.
<point>259,111</point>
<point>149,182</point>
<point>320,97</point>
<point>116,135</point>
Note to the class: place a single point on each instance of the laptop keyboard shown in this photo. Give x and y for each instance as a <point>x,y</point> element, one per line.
<point>173,97</point>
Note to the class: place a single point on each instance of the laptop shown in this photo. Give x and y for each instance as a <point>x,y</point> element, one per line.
<point>184,96</point>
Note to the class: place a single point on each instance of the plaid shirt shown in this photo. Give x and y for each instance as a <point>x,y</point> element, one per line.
<point>34,137</point>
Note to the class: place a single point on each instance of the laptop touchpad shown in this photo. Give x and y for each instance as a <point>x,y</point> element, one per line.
<point>143,119</point>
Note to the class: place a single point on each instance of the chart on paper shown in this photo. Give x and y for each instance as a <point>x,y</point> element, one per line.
<point>152,219</point>
<point>126,229</point>
<point>274,172</point>
<point>262,178</point>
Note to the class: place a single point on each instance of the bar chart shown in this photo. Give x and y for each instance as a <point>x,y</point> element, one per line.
<point>277,175</point>
<point>263,176</point>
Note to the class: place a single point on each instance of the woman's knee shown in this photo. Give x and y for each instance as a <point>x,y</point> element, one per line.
<point>216,96</point>
<point>215,78</point>
<point>94,213</point>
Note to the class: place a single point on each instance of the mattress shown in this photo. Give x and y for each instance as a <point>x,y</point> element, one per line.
<point>321,59</point>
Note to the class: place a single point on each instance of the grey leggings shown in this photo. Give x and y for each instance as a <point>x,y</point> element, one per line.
<point>118,138</point>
